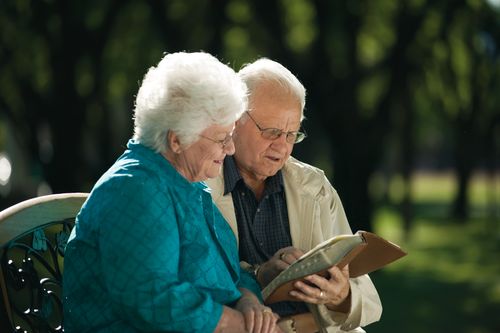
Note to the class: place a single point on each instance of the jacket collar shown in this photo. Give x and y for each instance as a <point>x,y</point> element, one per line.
<point>306,176</point>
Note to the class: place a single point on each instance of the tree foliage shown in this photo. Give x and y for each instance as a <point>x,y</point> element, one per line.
<point>392,85</point>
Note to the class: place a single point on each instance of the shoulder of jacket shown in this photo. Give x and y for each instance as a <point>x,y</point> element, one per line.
<point>305,175</point>
<point>296,167</point>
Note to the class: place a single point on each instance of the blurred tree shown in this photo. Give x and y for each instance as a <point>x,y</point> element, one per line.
<point>376,73</point>
<point>392,86</point>
<point>50,76</point>
<point>363,80</point>
<point>70,71</point>
<point>462,76</point>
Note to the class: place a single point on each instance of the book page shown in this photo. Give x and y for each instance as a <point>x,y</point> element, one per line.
<point>363,251</point>
<point>327,243</point>
<point>322,257</point>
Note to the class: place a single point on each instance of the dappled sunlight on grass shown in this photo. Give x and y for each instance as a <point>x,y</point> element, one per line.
<point>450,251</point>
<point>483,187</point>
<point>450,279</point>
<point>433,187</point>
<point>484,195</point>
<point>416,303</point>
<point>389,225</point>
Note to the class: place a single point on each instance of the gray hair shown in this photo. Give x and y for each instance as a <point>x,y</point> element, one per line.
<point>266,70</point>
<point>186,93</point>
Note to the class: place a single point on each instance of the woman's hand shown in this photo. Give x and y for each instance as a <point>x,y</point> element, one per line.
<point>333,291</point>
<point>258,317</point>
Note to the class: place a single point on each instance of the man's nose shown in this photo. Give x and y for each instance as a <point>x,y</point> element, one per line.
<point>280,143</point>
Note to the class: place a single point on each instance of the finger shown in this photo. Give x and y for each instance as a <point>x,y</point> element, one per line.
<point>295,253</point>
<point>306,297</point>
<point>289,249</point>
<point>337,274</point>
<point>334,288</point>
<point>334,271</point>
<point>273,325</point>
<point>345,271</point>
<point>318,282</point>
<point>281,264</point>
<point>287,258</point>
<point>306,287</point>
<point>257,323</point>
<point>249,320</point>
<point>312,291</point>
<point>289,254</point>
<point>267,322</point>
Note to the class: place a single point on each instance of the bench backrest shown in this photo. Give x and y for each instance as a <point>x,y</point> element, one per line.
<point>33,236</point>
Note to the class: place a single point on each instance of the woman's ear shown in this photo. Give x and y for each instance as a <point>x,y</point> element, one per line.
<point>173,142</point>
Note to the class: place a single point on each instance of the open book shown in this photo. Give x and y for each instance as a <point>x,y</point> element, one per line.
<point>364,251</point>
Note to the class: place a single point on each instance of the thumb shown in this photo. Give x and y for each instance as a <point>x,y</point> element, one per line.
<point>345,270</point>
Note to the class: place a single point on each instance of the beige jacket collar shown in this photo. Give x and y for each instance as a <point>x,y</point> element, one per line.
<point>301,189</point>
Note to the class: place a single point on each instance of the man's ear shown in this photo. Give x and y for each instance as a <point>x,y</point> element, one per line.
<point>173,142</point>
<point>239,121</point>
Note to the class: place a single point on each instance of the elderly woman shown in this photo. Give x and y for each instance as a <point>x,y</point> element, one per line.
<point>150,252</point>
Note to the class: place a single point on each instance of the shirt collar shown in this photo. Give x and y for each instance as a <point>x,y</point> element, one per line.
<point>232,177</point>
<point>231,174</point>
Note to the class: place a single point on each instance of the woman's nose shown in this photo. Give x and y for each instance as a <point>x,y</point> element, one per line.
<point>229,149</point>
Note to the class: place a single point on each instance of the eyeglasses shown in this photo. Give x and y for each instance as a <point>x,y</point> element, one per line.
<point>275,133</point>
<point>222,143</point>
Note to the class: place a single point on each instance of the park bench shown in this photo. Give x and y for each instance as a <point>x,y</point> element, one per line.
<point>33,236</point>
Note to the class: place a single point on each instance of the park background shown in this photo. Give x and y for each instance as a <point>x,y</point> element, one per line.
<point>403,114</point>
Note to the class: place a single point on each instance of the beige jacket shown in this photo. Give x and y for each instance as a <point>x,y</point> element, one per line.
<point>315,214</point>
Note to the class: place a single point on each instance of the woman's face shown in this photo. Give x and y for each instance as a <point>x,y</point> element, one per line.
<point>203,159</point>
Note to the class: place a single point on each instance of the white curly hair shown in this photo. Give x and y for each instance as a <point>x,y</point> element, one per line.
<point>266,70</point>
<point>186,93</point>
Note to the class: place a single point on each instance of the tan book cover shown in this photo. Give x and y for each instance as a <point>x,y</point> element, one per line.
<point>364,251</point>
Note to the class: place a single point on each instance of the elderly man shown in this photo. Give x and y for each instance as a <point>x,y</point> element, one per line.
<point>280,207</point>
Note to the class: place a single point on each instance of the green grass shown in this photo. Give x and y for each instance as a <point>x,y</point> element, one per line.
<point>450,279</point>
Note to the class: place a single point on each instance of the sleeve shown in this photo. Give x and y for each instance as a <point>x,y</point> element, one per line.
<point>139,244</point>
<point>366,306</point>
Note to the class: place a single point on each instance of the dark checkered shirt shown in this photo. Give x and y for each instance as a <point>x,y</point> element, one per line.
<point>263,226</point>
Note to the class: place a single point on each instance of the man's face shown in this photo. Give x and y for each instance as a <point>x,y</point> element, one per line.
<point>271,107</point>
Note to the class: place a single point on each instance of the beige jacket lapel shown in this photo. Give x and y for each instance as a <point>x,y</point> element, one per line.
<point>223,202</point>
<point>303,204</point>
<point>303,207</point>
<point>299,219</point>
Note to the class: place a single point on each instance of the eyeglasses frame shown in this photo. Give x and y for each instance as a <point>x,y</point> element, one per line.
<point>299,136</point>
<point>223,143</point>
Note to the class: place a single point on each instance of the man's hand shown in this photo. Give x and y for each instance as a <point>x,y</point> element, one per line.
<point>278,262</point>
<point>333,291</point>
